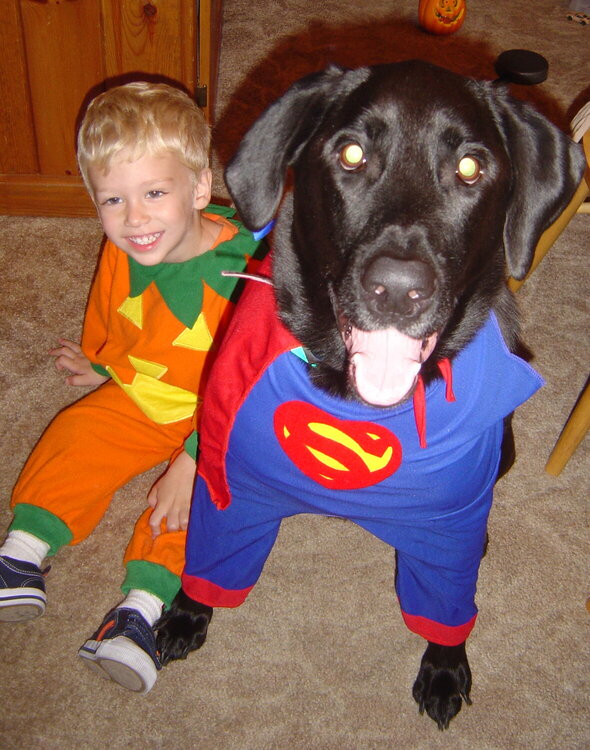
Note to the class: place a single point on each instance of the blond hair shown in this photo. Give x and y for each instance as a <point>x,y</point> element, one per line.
<point>142,118</point>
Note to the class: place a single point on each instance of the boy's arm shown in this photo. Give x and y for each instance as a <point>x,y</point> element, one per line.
<point>95,328</point>
<point>171,495</point>
<point>69,356</point>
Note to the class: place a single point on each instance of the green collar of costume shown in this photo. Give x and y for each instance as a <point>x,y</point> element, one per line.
<point>181,284</point>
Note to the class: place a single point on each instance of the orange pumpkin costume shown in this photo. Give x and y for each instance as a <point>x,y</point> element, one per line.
<point>154,331</point>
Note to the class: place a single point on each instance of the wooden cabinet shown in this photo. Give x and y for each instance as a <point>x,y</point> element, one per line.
<point>58,54</point>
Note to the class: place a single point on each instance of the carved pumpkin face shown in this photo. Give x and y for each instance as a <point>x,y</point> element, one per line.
<point>441,16</point>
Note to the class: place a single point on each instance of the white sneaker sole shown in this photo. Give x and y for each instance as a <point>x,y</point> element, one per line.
<point>121,660</point>
<point>21,604</point>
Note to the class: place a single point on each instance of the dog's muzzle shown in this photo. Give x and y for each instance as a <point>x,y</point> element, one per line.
<point>397,286</point>
<point>384,364</point>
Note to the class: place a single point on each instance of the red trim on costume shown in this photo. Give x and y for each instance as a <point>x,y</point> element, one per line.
<point>212,595</point>
<point>447,372</point>
<point>419,398</point>
<point>445,635</point>
<point>420,411</point>
<point>236,371</point>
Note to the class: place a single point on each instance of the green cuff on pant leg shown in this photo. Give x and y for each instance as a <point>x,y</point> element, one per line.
<point>41,523</point>
<point>151,577</point>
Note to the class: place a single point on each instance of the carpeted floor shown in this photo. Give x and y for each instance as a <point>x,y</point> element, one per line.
<point>319,657</point>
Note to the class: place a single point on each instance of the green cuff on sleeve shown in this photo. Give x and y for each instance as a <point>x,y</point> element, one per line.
<point>191,444</point>
<point>100,370</point>
<point>151,577</point>
<point>42,524</point>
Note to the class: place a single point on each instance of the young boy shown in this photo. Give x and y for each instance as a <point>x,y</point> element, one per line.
<point>157,309</point>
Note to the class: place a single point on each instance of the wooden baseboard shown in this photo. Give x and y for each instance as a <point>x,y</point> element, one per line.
<point>35,195</point>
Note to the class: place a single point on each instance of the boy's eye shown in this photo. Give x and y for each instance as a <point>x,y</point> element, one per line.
<point>111,201</point>
<point>155,193</point>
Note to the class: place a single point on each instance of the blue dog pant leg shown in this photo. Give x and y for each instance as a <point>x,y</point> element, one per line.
<point>226,549</point>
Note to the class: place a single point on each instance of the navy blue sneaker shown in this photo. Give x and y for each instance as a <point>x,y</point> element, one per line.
<point>123,649</point>
<point>22,590</point>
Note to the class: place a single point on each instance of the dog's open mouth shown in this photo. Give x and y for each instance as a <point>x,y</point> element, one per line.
<point>384,365</point>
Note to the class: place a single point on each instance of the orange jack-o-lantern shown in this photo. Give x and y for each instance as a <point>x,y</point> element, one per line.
<point>441,16</point>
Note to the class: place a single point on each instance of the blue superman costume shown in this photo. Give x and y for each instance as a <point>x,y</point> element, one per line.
<point>419,476</point>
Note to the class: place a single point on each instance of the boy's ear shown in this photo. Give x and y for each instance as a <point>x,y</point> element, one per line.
<point>202,191</point>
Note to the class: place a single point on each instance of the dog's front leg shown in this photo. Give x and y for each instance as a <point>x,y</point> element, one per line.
<point>182,628</point>
<point>443,682</point>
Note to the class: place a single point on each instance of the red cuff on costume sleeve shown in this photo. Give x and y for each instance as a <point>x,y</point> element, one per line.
<point>445,635</point>
<point>212,595</point>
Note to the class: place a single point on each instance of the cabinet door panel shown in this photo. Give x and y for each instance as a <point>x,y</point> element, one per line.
<point>63,44</point>
<point>18,154</point>
<point>154,37</point>
<point>58,54</point>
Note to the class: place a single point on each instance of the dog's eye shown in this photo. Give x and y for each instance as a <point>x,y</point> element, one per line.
<point>469,170</point>
<point>352,157</point>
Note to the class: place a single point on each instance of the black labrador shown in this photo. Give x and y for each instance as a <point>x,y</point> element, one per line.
<point>412,190</point>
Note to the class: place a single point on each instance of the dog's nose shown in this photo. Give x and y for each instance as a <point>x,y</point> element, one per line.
<point>403,287</point>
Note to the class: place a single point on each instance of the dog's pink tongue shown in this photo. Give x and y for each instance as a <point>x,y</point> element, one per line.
<point>384,365</point>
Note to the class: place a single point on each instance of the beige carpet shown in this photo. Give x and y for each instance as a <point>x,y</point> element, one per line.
<point>318,657</point>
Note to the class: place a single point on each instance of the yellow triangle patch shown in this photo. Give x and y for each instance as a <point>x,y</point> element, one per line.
<point>197,338</point>
<point>145,367</point>
<point>132,309</point>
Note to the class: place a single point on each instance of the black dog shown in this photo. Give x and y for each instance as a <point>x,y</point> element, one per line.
<point>413,188</point>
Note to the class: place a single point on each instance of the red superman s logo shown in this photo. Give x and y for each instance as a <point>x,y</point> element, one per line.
<point>339,454</point>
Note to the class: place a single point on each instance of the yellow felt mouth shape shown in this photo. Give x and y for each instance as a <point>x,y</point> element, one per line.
<point>161,402</point>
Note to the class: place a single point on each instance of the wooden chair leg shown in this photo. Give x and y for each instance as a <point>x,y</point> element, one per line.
<point>576,427</point>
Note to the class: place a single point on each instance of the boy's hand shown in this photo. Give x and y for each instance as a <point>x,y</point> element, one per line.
<point>69,356</point>
<point>171,495</point>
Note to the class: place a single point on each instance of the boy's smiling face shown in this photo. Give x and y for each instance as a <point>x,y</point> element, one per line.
<point>150,207</point>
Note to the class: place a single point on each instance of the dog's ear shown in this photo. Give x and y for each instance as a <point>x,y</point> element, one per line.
<point>256,174</point>
<point>547,167</point>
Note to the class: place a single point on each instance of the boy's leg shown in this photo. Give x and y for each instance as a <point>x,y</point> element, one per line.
<point>124,646</point>
<point>154,564</point>
<point>89,450</point>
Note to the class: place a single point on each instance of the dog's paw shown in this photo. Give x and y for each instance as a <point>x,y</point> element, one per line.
<point>182,628</point>
<point>443,682</point>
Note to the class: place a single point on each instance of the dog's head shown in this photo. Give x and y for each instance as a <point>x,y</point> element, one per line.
<point>412,187</point>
